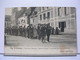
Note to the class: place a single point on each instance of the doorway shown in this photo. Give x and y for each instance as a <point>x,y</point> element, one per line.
<point>62,25</point>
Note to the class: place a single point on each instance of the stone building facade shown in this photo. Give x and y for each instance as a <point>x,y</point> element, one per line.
<point>62,17</point>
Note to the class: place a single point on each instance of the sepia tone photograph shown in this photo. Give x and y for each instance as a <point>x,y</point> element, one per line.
<point>40,31</point>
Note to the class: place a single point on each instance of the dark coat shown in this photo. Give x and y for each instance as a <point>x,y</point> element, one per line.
<point>48,30</point>
<point>43,31</point>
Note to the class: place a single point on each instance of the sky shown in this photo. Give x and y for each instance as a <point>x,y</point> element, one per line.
<point>8,11</point>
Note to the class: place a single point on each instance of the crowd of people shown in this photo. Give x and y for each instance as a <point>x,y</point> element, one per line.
<point>33,32</point>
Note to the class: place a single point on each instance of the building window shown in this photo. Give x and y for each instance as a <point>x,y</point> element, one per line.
<point>59,11</point>
<point>65,11</point>
<point>44,16</point>
<point>24,21</point>
<point>19,22</point>
<point>48,15</point>
<point>73,10</point>
<point>33,20</point>
<point>47,7</point>
<point>52,14</point>
<point>40,17</point>
<point>42,8</point>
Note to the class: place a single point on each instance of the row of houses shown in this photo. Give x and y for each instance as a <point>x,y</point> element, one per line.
<point>62,17</point>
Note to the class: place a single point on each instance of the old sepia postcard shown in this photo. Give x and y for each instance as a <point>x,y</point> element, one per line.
<point>40,31</point>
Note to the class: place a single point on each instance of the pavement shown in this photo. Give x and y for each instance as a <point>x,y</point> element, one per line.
<point>58,45</point>
<point>54,39</point>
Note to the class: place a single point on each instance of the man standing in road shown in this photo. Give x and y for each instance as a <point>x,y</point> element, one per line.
<point>48,31</point>
<point>43,32</point>
<point>39,31</point>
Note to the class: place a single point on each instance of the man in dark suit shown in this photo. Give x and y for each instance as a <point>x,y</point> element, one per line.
<point>48,31</point>
<point>43,32</point>
<point>31,31</point>
<point>39,31</point>
<point>28,31</point>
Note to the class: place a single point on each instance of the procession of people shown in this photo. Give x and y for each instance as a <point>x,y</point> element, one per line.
<point>41,32</point>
